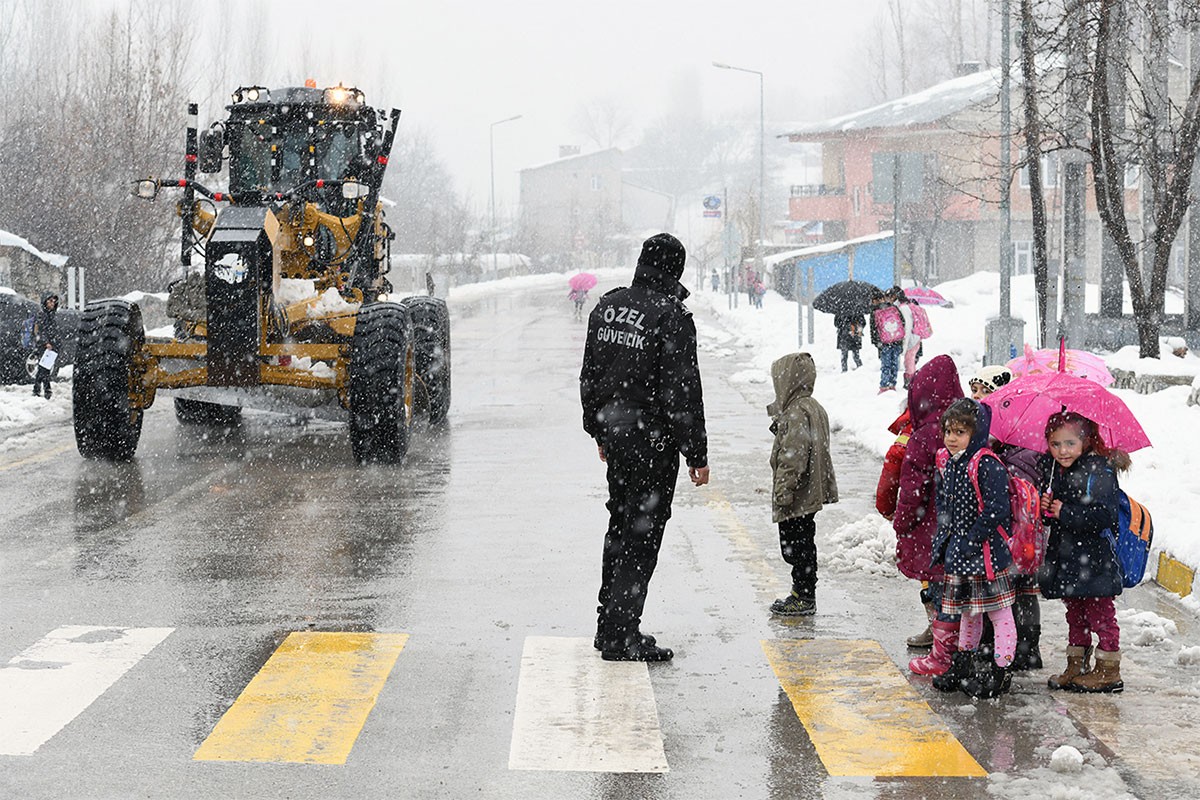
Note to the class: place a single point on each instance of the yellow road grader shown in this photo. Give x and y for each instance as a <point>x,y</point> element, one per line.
<point>292,307</point>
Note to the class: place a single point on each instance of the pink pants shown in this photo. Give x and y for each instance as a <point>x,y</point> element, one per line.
<point>1088,615</point>
<point>910,361</point>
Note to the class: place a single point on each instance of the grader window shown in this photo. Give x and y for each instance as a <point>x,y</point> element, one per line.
<point>250,164</point>
<point>338,152</point>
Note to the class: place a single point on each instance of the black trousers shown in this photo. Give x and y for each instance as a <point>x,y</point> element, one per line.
<point>798,544</point>
<point>641,486</point>
<point>41,379</point>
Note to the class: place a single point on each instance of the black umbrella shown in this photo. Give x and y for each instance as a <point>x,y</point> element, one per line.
<point>847,297</point>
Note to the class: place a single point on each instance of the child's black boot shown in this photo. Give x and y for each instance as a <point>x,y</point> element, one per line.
<point>960,669</point>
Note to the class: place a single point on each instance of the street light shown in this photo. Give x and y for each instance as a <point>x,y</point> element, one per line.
<point>492,195</point>
<point>758,257</point>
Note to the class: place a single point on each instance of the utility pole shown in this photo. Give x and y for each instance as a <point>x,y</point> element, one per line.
<point>1192,298</point>
<point>1074,323</point>
<point>1003,334</point>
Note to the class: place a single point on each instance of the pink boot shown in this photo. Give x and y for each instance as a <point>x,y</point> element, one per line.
<point>945,643</point>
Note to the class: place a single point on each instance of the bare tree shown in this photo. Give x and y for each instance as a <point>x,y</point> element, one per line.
<point>604,122</point>
<point>1167,155</point>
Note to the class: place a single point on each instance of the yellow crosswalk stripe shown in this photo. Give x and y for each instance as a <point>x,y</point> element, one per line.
<point>309,702</point>
<point>863,717</point>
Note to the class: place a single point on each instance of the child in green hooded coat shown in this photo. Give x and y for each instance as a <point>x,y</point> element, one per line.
<point>802,469</point>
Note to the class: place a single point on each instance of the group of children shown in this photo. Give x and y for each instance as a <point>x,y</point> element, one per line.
<point>945,488</point>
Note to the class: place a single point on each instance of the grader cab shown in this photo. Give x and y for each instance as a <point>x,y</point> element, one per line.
<point>291,308</point>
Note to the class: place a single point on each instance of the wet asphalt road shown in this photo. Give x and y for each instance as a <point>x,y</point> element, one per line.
<point>489,534</point>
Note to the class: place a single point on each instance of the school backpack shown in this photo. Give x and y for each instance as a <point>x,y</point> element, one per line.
<point>1027,537</point>
<point>920,318</point>
<point>1135,532</point>
<point>889,324</point>
<point>27,333</point>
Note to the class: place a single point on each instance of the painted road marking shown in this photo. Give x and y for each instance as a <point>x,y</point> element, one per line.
<point>863,717</point>
<point>45,455</point>
<point>309,702</point>
<point>49,684</point>
<point>576,712</point>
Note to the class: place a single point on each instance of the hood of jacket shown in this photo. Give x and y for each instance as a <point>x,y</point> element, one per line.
<point>933,389</point>
<point>983,426</point>
<point>794,376</point>
<point>654,278</point>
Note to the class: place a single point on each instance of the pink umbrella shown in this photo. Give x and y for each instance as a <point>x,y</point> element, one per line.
<point>583,280</point>
<point>924,296</point>
<point>1021,409</point>
<point>1076,362</point>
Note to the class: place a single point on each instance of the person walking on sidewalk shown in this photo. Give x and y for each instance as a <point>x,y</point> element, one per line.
<point>887,334</point>
<point>644,406</point>
<point>849,336</point>
<point>803,478</point>
<point>46,339</point>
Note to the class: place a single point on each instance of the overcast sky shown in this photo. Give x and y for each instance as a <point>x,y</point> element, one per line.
<point>455,66</point>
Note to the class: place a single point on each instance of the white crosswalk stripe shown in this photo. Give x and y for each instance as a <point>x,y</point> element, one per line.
<point>577,712</point>
<point>50,683</point>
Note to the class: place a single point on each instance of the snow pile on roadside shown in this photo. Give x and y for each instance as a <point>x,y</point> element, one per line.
<point>1166,478</point>
<point>862,547</point>
<point>1145,628</point>
<point>20,410</point>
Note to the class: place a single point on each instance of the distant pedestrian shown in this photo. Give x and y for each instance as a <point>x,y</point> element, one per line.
<point>47,342</point>
<point>578,297</point>
<point>849,336</point>
<point>760,290</point>
<point>910,345</point>
<point>973,554</point>
<point>643,404</point>
<point>803,477</point>
<point>716,280</point>
<point>1079,498</point>
<point>887,334</point>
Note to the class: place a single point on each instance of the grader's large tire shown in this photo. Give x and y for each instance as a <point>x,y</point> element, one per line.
<point>381,383</point>
<point>107,424</point>
<point>197,412</point>
<point>431,342</point>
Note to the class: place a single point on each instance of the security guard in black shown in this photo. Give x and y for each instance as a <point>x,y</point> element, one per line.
<point>643,404</point>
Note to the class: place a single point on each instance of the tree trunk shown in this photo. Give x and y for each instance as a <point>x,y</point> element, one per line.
<point>1033,150</point>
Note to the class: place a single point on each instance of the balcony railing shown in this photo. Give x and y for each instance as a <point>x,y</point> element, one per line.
<point>816,190</point>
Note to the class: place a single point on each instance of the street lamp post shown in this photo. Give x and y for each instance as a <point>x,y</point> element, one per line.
<point>762,170</point>
<point>492,194</point>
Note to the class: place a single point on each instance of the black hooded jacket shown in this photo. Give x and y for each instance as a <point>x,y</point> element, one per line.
<point>45,326</point>
<point>639,365</point>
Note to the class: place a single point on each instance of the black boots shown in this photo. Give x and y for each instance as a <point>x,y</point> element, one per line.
<point>637,648</point>
<point>1028,655</point>
<point>957,673</point>
<point>988,679</point>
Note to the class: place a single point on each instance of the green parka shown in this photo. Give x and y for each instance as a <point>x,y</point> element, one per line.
<point>800,460</point>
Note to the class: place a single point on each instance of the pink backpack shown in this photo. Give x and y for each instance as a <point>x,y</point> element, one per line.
<point>1027,540</point>
<point>889,324</point>
<point>921,326</point>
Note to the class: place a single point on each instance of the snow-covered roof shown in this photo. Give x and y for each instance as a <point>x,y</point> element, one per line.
<point>12,240</point>
<point>565,159</point>
<point>913,110</point>
<point>820,249</point>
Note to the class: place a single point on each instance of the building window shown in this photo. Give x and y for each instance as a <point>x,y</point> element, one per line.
<point>595,183</point>
<point>856,200</point>
<point>1133,175</point>
<point>1049,172</point>
<point>1022,257</point>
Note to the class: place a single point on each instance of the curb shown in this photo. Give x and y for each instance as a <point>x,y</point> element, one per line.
<point>1174,576</point>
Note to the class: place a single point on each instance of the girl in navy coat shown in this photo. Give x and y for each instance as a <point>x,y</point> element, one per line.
<point>973,553</point>
<point>1079,499</point>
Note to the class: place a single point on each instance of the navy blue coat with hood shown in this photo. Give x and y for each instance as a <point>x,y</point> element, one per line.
<point>1080,561</point>
<point>963,529</point>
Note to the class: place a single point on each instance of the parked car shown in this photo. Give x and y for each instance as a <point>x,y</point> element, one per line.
<point>15,364</point>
